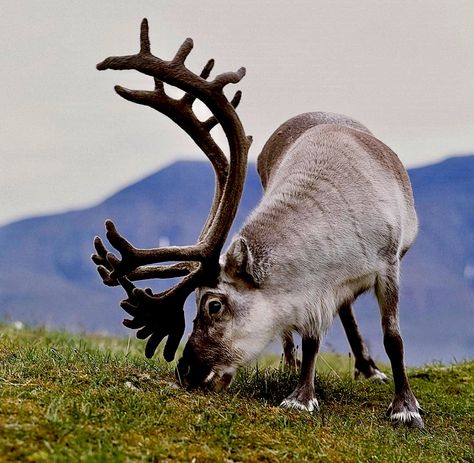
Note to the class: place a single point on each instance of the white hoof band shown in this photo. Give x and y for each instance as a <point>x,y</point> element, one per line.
<point>209,377</point>
<point>297,405</point>
<point>405,416</point>
<point>379,376</point>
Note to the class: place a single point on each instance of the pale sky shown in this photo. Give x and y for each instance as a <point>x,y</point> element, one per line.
<point>403,68</point>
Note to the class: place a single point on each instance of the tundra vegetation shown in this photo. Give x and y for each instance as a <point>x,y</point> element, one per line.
<point>70,398</point>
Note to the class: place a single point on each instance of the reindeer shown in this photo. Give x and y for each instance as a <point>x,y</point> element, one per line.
<point>336,217</point>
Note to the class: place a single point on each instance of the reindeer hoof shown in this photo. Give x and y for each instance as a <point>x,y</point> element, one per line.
<point>372,373</point>
<point>406,415</point>
<point>303,405</point>
<point>377,376</point>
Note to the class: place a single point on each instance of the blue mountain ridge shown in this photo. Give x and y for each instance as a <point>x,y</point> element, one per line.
<point>47,278</point>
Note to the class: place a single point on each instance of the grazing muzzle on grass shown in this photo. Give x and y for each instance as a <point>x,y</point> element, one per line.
<point>194,373</point>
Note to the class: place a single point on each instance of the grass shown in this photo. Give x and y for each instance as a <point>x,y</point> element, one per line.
<point>67,398</point>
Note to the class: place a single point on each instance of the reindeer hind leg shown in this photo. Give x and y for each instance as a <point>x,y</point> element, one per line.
<point>364,364</point>
<point>404,408</point>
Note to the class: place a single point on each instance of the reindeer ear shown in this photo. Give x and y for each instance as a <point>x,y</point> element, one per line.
<point>240,262</point>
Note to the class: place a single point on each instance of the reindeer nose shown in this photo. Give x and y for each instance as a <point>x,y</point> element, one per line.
<point>191,372</point>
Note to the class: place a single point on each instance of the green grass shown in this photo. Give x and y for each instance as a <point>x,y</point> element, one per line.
<point>74,398</point>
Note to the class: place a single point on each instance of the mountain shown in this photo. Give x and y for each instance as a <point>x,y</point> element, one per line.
<point>46,276</point>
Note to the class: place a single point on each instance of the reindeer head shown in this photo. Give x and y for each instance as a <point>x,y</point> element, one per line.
<point>161,315</point>
<point>234,321</point>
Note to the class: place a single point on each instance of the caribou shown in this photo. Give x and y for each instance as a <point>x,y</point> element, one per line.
<point>336,217</point>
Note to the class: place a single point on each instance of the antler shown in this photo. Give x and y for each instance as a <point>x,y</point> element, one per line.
<point>162,315</point>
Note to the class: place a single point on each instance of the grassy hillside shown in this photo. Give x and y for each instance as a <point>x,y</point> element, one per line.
<point>72,398</point>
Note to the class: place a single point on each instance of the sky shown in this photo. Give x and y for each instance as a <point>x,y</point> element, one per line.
<point>403,68</point>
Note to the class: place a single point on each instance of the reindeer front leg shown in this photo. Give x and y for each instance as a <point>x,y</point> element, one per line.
<point>303,398</point>
<point>404,408</point>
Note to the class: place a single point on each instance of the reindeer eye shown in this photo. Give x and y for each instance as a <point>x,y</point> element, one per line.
<point>214,306</point>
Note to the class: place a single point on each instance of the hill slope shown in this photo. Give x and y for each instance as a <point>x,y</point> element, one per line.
<point>46,276</point>
<point>68,398</point>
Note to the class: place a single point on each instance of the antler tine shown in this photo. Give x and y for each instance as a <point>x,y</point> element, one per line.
<point>105,265</point>
<point>144,37</point>
<point>180,269</point>
<point>188,98</point>
<point>210,123</point>
<point>132,255</point>
<point>183,51</point>
<point>206,71</point>
<point>229,78</point>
